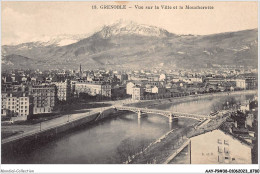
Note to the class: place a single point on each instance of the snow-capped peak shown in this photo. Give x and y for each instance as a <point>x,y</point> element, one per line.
<point>65,39</point>
<point>58,40</point>
<point>130,27</point>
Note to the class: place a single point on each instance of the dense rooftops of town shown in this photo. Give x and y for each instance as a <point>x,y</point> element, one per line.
<point>92,82</point>
<point>217,77</point>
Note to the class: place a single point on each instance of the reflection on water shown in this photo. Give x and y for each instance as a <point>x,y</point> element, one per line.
<point>99,143</point>
<point>202,106</point>
<point>105,141</point>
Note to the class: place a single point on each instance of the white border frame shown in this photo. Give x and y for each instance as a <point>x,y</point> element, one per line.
<point>123,168</point>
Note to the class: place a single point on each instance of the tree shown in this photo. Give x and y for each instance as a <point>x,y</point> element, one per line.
<point>129,147</point>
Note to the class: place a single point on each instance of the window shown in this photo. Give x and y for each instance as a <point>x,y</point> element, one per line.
<point>226,142</point>
<point>226,160</point>
<point>219,141</point>
<point>226,150</point>
<point>220,159</point>
<point>233,159</point>
<point>219,149</point>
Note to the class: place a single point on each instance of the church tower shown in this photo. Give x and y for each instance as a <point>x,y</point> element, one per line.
<point>80,70</point>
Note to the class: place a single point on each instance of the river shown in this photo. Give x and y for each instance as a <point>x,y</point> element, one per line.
<point>106,141</point>
<point>203,105</point>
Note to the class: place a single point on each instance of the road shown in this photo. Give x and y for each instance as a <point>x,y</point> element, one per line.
<point>34,129</point>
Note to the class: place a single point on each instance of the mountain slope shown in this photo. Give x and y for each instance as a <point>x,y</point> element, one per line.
<point>18,61</point>
<point>134,46</point>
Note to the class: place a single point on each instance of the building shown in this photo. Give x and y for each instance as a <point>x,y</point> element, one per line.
<point>122,77</point>
<point>162,77</point>
<point>219,148</point>
<point>93,88</point>
<point>80,71</point>
<point>72,87</point>
<point>138,92</point>
<point>44,98</point>
<point>251,82</point>
<point>244,107</point>
<point>158,90</point>
<point>195,79</point>
<point>153,78</point>
<point>217,80</point>
<point>16,105</point>
<point>156,83</point>
<point>148,88</point>
<point>137,77</point>
<point>63,90</point>
<point>241,83</point>
<point>130,85</point>
<point>250,120</point>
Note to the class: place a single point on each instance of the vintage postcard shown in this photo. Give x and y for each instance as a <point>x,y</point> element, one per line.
<point>129,83</point>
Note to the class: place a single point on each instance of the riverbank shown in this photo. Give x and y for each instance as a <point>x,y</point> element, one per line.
<point>56,125</point>
<point>164,149</point>
<point>177,100</point>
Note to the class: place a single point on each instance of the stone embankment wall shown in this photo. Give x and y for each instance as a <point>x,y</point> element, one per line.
<point>28,140</point>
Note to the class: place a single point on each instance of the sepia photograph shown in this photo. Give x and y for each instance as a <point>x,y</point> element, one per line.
<point>129,82</point>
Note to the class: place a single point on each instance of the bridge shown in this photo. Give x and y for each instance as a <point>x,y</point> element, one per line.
<point>169,114</point>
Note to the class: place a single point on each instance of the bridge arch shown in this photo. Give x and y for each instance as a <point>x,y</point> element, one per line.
<point>167,114</point>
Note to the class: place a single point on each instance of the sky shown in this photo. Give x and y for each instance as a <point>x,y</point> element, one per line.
<point>33,21</point>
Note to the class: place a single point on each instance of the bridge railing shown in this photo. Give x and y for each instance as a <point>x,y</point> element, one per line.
<point>156,111</point>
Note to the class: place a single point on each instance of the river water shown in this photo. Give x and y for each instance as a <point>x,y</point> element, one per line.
<point>106,141</point>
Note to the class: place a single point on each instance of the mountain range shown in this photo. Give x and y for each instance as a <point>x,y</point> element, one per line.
<point>128,45</point>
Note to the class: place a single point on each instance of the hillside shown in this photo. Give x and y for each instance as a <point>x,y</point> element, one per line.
<point>135,46</point>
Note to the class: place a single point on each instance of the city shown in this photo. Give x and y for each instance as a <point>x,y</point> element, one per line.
<point>31,97</point>
<point>93,83</point>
